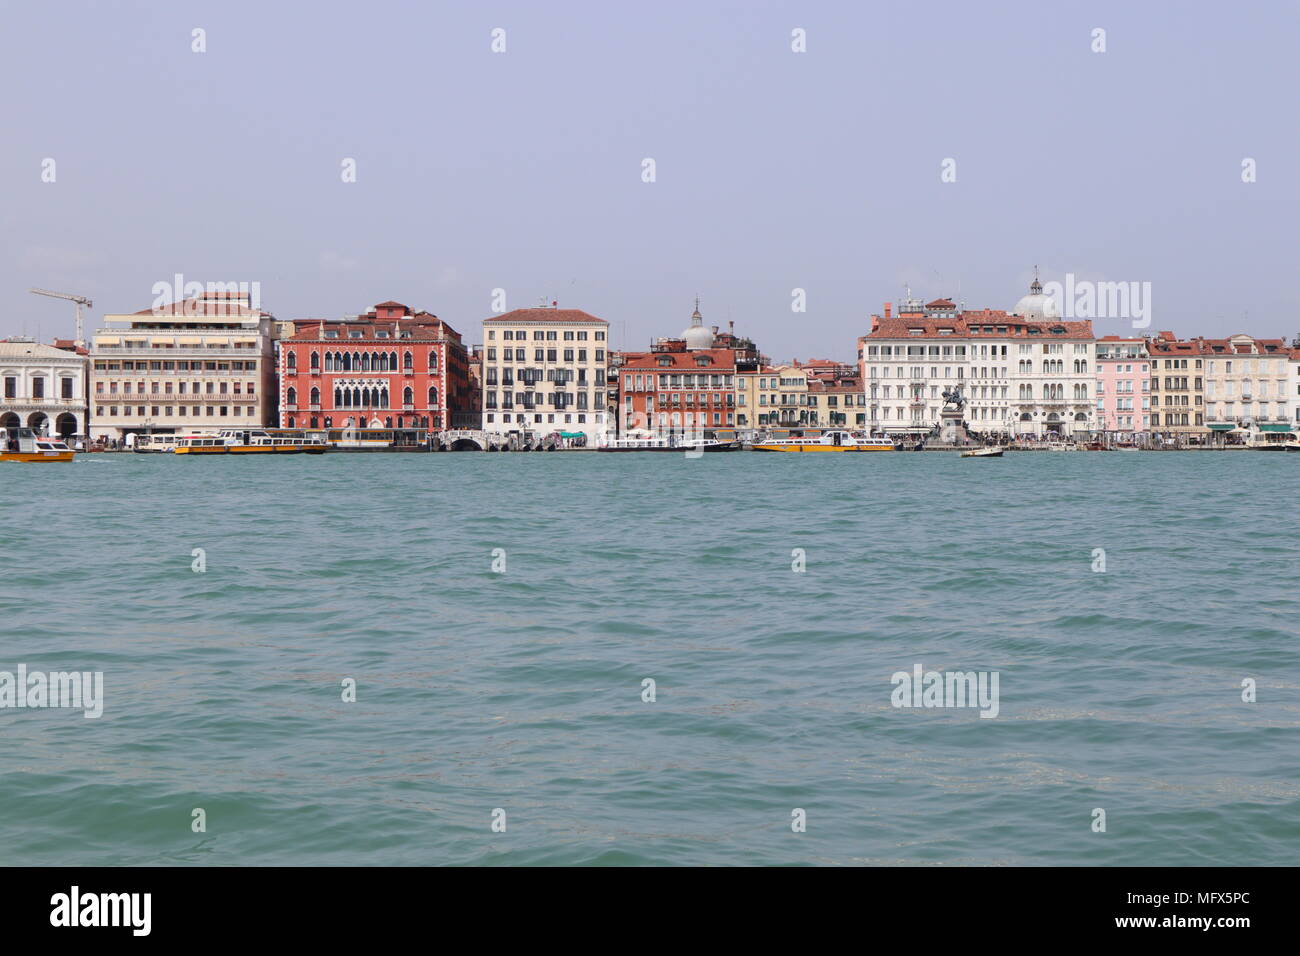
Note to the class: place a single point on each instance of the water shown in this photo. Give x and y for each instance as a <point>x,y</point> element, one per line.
<point>522,690</point>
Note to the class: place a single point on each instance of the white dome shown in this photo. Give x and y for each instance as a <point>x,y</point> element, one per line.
<point>697,336</point>
<point>1036,305</point>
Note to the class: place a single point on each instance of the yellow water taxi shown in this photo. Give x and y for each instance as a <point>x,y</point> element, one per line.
<point>828,441</point>
<point>23,444</point>
<point>247,442</point>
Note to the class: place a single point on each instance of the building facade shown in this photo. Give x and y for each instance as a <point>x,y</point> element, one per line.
<point>390,367</point>
<point>198,365</point>
<point>544,371</point>
<point>1177,388</point>
<point>675,390</point>
<point>1123,387</point>
<point>44,388</point>
<point>1247,383</point>
<point>1022,373</point>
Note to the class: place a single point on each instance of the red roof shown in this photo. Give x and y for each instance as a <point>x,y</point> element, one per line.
<point>976,323</point>
<point>721,360</point>
<point>572,316</point>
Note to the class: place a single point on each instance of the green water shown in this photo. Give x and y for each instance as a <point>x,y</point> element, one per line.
<point>522,690</point>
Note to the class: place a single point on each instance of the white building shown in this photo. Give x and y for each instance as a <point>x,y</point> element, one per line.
<point>199,365</point>
<point>1023,372</point>
<point>44,388</point>
<point>544,371</point>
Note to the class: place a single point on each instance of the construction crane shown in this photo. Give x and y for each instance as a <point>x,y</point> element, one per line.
<point>80,300</point>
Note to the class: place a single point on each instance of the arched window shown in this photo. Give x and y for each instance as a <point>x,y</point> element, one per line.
<point>338,396</point>
<point>408,396</point>
<point>329,361</point>
<point>356,397</point>
<point>292,361</point>
<point>392,361</point>
<point>433,361</point>
<point>433,398</point>
<point>315,361</point>
<point>365,362</point>
<point>291,421</point>
<point>292,398</point>
<point>382,359</point>
<point>408,363</point>
<point>383,397</point>
<point>315,396</point>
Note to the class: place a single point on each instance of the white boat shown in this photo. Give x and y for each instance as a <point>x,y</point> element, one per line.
<point>253,441</point>
<point>989,451</point>
<point>155,444</point>
<point>1274,441</point>
<point>669,443</point>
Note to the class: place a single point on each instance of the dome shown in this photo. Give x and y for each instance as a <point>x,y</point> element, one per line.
<point>1036,305</point>
<point>697,336</point>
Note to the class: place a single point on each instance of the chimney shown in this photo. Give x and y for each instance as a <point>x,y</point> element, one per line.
<point>888,306</point>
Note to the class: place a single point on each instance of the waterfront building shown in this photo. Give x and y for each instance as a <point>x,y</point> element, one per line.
<point>1022,373</point>
<point>675,389</point>
<point>691,382</point>
<point>389,367</point>
<point>837,403</point>
<point>44,387</point>
<point>1247,384</point>
<point>544,371</point>
<point>1177,387</point>
<point>198,365</point>
<point>835,395</point>
<point>1293,380</point>
<point>781,399</point>
<point>1123,386</point>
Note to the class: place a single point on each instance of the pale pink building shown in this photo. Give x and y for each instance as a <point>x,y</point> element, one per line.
<point>1123,386</point>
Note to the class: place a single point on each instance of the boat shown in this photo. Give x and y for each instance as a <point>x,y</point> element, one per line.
<point>248,442</point>
<point>1274,441</point>
<point>670,443</point>
<point>988,451</point>
<point>154,444</point>
<point>23,444</point>
<point>828,441</point>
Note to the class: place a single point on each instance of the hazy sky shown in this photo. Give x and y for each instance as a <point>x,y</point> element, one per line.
<point>774,170</point>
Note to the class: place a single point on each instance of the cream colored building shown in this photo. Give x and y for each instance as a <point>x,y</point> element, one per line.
<point>44,388</point>
<point>1247,381</point>
<point>544,371</point>
<point>199,365</point>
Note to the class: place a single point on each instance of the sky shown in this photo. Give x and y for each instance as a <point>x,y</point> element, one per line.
<point>773,170</point>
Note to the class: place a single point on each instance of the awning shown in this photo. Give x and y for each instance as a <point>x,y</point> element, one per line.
<point>1274,427</point>
<point>1222,426</point>
<point>108,340</point>
<point>572,434</point>
<point>190,340</point>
